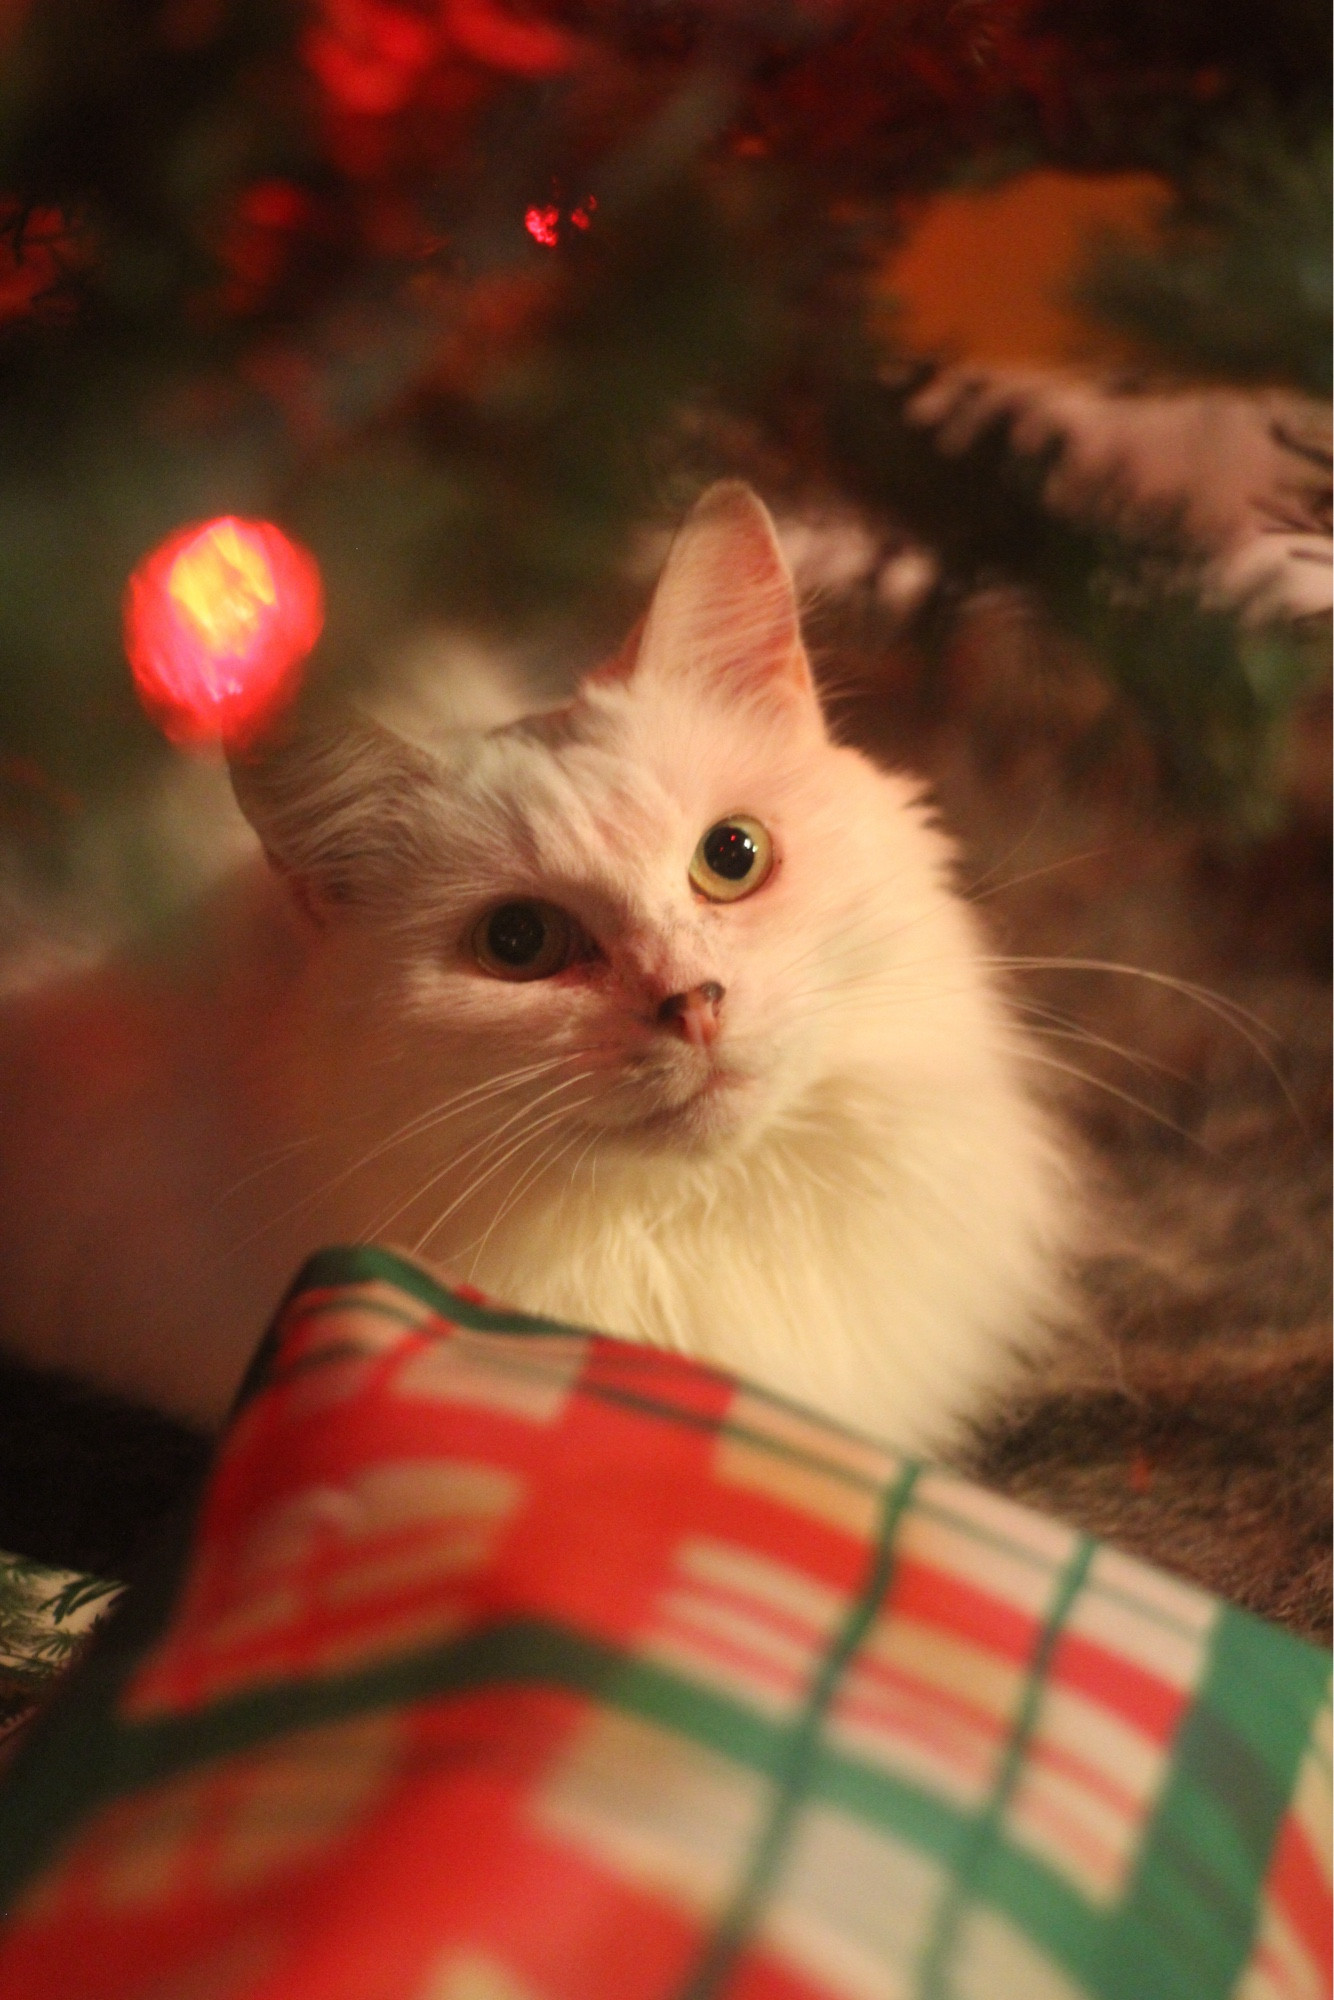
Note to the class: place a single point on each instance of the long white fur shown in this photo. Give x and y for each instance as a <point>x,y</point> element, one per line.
<point>872,1216</point>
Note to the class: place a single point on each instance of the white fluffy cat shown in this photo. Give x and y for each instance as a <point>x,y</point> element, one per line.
<point>656,1012</point>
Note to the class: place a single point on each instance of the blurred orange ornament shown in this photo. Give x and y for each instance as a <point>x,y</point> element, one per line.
<point>218,620</point>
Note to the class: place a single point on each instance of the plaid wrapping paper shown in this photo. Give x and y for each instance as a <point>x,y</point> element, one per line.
<point>509,1662</point>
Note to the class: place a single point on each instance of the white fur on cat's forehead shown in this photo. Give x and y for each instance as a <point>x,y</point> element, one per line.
<point>710,711</point>
<point>612,793</point>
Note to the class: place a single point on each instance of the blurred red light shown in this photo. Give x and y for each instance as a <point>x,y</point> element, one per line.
<point>543,225</point>
<point>218,620</point>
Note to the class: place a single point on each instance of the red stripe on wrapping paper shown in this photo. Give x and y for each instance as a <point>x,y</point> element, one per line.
<point>789,1624</point>
<point>1083,1851</point>
<point>711,1648</point>
<point>1299,1887</point>
<point>943,1599</point>
<point>765,1524</point>
<point>871,1709</point>
<point>665,1390</point>
<point>595,1543</point>
<point>1151,1705</point>
<point>1087,1776</point>
<point>757,1975</point>
<point>972,1760</point>
<point>901,1680</point>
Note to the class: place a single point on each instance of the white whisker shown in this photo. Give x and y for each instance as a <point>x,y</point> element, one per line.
<point>423,1121</point>
<point>977,895</point>
<point>548,1158</point>
<point>482,1145</point>
<point>574,1170</point>
<point>1241,1021</point>
<point>1126,1097</point>
<point>542,1125</point>
<point>969,889</point>
<point>1050,1021</point>
<point>278,1157</point>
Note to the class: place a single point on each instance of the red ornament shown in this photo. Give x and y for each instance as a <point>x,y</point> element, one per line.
<point>218,620</point>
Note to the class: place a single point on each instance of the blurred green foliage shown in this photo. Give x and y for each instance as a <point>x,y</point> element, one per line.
<point>272,259</point>
<point>1238,287</point>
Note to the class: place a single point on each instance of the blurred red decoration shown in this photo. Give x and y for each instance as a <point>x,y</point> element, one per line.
<point>256,242</point>
<point>372,55</point>
<point>544,224</point>
<point>218,621</point>
<point>42,250</point>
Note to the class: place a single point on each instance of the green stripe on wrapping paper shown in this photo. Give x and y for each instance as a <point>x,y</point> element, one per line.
<point>87,1756</point>
<point>1187,1922</point>
<point>522,1653</point>
<point>347,1265</point>
<point>985,1832</point>
<point>367,1263</point>
<point>738,1921</point>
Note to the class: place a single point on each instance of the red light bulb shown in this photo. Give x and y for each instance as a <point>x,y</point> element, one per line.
<point>218,620</point>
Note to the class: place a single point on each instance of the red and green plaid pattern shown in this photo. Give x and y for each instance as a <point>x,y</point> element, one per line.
<point>508,1662</point>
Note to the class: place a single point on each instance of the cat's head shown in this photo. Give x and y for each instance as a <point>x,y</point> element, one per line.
<point>643,910</point>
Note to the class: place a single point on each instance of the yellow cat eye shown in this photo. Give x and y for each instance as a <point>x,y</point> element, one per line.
<point>733,858</point>
<point>524,940</point>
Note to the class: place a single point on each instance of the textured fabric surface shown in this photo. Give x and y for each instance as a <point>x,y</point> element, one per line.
<point>507,1662</point>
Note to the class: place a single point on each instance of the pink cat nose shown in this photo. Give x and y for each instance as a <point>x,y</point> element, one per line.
<point>694,1014</point>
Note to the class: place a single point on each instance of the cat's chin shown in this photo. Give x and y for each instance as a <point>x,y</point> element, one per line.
<point>720,1111</point>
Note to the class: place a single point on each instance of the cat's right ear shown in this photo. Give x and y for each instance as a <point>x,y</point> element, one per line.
<point>724,612</point>
<point>339,807</point>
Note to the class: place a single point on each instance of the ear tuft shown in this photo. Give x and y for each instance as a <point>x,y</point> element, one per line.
<point>724,610</point>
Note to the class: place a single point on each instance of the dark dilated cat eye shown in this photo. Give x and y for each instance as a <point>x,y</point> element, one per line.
<point>524,940</point>
<point>733,858</point>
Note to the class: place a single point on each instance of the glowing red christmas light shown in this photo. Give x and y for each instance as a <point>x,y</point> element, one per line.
<point>543,225</point>
<point>218,620</point>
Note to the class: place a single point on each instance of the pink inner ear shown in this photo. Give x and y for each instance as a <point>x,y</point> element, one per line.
<point>724,609</point>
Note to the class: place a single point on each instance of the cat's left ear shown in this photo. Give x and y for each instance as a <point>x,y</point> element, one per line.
<point>342,806</point>
<point>725,610</point>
